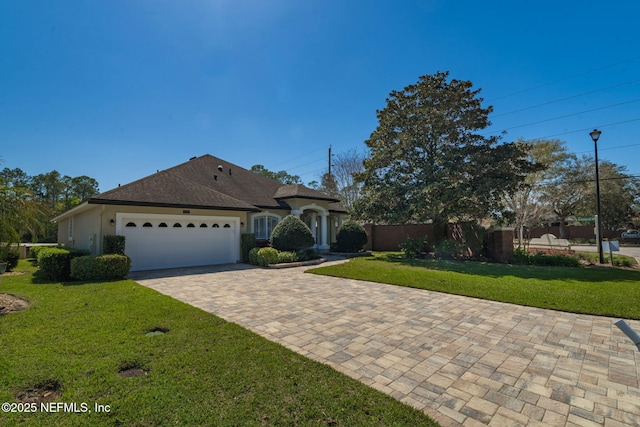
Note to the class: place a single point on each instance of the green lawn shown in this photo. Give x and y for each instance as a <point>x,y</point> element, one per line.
<point>618,260</point>
<point>203,372</point>
<point>594,290</point>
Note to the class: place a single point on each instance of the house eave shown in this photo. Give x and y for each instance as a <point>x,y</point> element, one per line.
<point>168,205</point>
<point>327,199</point>
<point>74,210</point>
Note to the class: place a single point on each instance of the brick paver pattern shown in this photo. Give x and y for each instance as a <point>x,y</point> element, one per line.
<point>463,361</point>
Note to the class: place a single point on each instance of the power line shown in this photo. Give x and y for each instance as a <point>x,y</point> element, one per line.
<point>589,128</point>
<point>582,181</point>
<point>297,157</point>
<point>565,99</point>
<point>565,78</point>
<point>565,116</point>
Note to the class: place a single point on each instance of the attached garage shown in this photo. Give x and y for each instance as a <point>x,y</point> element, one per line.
<point>156,241</point>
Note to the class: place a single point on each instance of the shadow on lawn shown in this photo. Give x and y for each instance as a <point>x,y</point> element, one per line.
<point>489,269</point>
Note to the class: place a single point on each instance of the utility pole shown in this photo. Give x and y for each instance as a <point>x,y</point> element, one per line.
<point>329,169</point>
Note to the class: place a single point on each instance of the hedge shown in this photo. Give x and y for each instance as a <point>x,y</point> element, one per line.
<point>55,263</point>
<point>112,244</point>
<point>291,234</point>
<point>351,237</point>
<point>101,267</point>
<point>10,256</point>
<point>247,242</point>
<point>267,256</point>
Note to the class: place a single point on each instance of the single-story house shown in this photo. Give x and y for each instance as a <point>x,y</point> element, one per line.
<point>194,214</point>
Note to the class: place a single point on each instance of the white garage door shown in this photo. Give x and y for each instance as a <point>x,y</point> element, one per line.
<point>168,241</point>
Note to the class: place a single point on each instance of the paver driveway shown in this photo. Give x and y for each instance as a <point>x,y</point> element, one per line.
<point>464,361</point>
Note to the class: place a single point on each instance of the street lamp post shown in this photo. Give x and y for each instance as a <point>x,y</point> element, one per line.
<point>595,135</point>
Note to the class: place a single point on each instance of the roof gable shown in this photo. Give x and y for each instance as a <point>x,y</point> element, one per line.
<point>301,192</point>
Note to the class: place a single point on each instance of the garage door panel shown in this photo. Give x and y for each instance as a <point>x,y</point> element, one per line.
<point>155,247</point>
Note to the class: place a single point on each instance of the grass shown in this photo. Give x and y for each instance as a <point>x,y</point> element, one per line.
<point>597,290</point>
<point>203,372</point>
<point>618,260</point>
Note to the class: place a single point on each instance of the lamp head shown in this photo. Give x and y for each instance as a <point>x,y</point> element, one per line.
<point>595,135</point>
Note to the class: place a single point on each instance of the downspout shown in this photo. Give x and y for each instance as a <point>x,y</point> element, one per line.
<point>99,242</point>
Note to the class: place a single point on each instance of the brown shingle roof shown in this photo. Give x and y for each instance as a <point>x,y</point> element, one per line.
<point>300,191</point>
<point>212,183</point>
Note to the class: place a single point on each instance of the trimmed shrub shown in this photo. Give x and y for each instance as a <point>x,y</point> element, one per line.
<point>247,242</point>
<point>267,256</point>
<point>413,248</point>
<point>291,234</point>
<point>55,263</point>
<point>9,256</point>
<point>284,257</point>
<point>351,237</point>
<point>449,249</point>
<point>113,245</point>
<point>103,267</point>
<point>35,250</point>
<point>307,254</point>
<point>253,256</point>
<point>522,256</point>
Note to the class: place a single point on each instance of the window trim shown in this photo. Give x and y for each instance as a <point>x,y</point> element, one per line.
<point>266,216</point>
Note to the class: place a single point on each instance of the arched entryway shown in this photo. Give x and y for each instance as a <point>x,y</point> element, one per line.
<point>316,218</point>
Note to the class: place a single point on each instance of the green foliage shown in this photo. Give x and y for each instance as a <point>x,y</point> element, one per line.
<point>9,256</point>
<point>618,260</point>
<point>413,248</point>
<point>113,245</point>
<point>103,267</point>
<point>281,176</point>
<point>523,257</point>
<point>55,263</point>
<point>35,250</point>
<point>253,256</point>
<point>449,249</point>
<point>429,160</point>
<point>267,256</point>
<point>351,237</point>
<point>29,202</point>
<point>291,234</point>
<point>247,242</point>
<point>307,254</point>
<point>285,257</point>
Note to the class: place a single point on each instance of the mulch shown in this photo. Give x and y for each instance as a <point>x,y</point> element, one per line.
<point>11,303</point>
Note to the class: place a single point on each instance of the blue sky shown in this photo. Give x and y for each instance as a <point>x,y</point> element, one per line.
<point>119,89</point>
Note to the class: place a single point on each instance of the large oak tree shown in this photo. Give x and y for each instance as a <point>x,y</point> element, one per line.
<point>429,162</point>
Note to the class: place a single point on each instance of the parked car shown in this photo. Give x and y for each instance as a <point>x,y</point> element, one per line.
<point>631,234</point>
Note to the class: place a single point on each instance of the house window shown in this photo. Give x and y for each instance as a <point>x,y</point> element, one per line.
<point>163,225</point>
<point>215,226</point>
<point>263,225</point>
<point>130,224</point>
<point>203,225</point>
<point>190,225</point>
<point>70,234</point>
<point>147,224</point>
<point>227,226</point>
<point>177,225</point>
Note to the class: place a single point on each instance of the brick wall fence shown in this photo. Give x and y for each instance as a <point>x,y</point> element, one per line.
<point>570,232</point>
<point>389,237</point>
